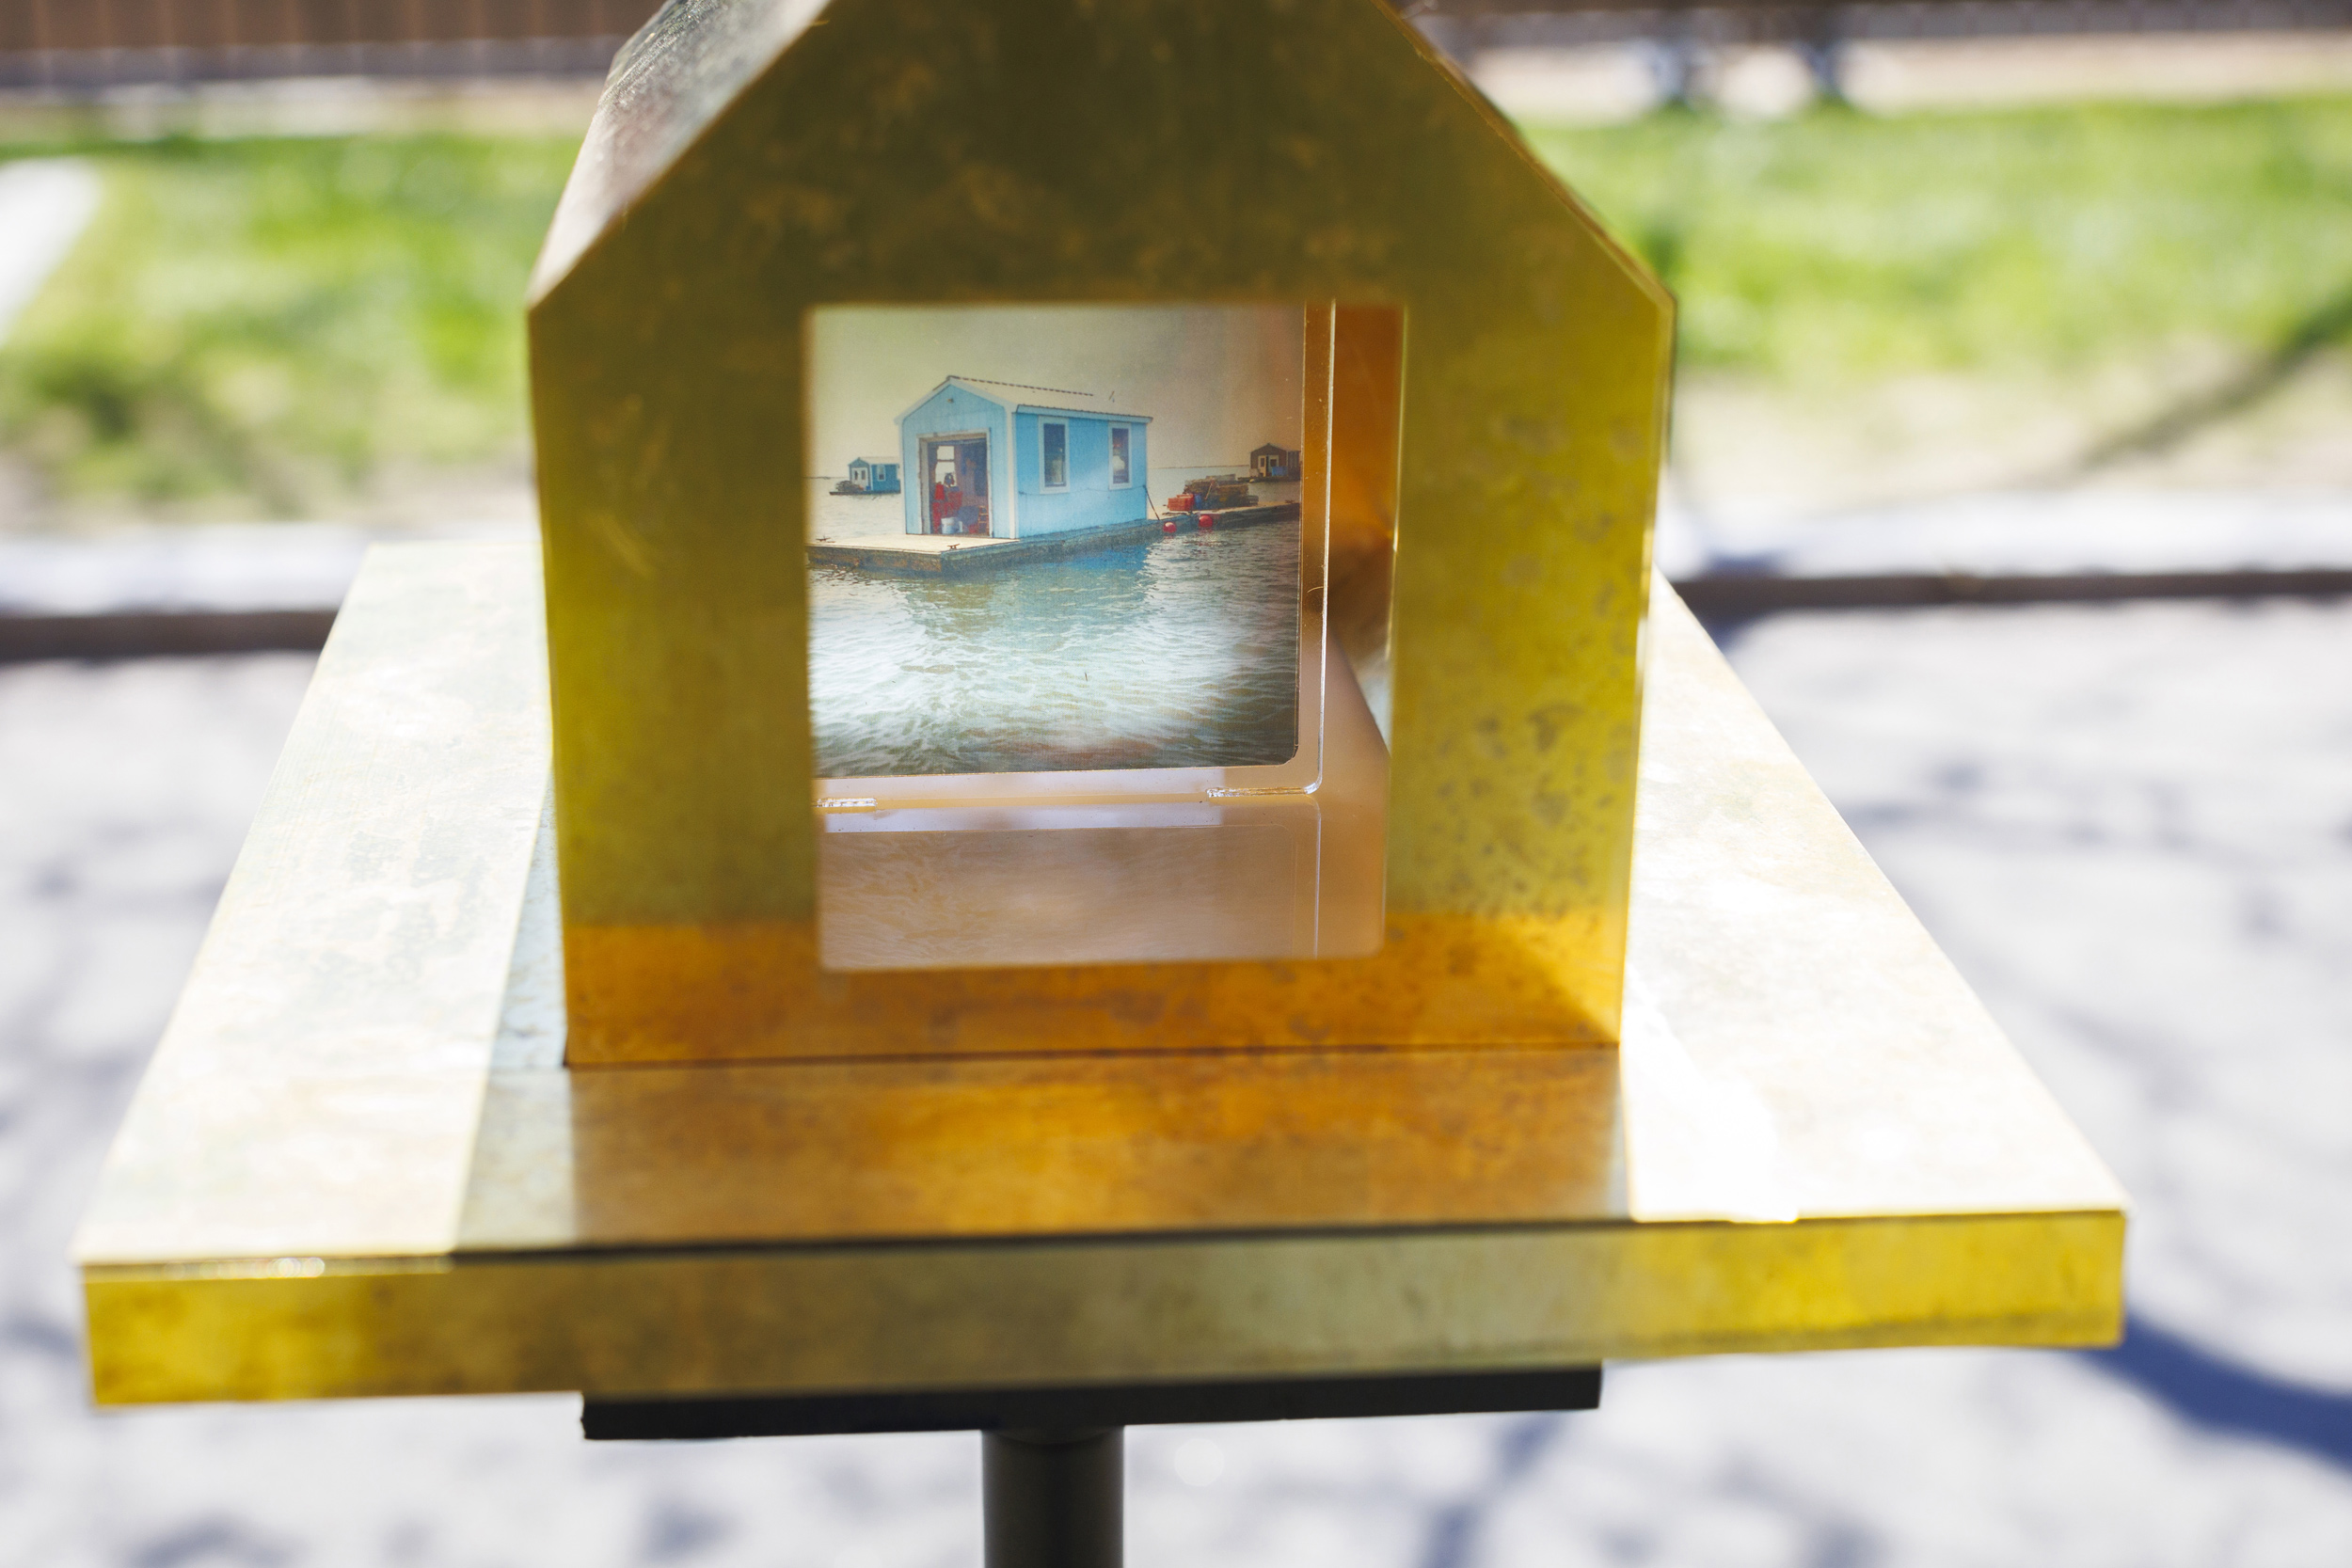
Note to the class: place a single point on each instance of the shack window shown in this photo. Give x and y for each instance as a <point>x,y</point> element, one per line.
<point>1120,476</point>
<point>1054,442</point>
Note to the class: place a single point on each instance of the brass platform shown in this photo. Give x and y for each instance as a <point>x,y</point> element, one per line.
<point>358,1167</point>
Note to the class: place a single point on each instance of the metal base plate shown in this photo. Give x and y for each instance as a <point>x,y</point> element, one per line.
<point>358,1165</point>
<point>1294,1398</point>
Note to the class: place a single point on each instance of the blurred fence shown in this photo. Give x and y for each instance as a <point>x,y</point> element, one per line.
<point>1681,30</point>
<point>71,44</point>
<point>86,45</point>
<point>1476,25</point>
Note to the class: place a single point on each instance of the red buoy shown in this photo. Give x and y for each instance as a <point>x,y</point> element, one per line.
<point>1208,519</point>
<point>1168,527</point>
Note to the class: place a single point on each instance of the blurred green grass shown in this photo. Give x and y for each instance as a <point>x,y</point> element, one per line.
<point>1836,248</point>
<point>273,324</point>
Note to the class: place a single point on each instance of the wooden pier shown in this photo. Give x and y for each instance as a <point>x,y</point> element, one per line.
<point>936,555</point>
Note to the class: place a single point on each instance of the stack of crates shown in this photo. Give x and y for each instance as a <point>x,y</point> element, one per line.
<point>1222,490</point>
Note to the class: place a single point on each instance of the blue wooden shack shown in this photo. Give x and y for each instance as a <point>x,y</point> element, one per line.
<point>875,476</point>
<point>1017,462</point>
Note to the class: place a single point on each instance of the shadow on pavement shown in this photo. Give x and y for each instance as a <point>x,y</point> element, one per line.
<point>2223,1396</point>
<point>2331,323</point>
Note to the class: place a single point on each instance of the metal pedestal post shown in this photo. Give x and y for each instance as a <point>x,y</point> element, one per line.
<point>1053,1459</point>
<point>1054,1498</point>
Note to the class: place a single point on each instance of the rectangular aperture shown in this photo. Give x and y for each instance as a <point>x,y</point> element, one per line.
<point>1071,688</point>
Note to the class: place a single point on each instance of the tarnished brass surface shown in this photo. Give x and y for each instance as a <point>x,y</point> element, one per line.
<point>321,1073</point>
<point>753,162</point>
<point>358,1165</point>
<point>877,1151</point>
<point>647,1322</point>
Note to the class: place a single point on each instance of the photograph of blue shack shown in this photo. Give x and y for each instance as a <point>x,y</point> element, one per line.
<point>874,476</point>
<point>1015,462</point>
<point>1029,604</point>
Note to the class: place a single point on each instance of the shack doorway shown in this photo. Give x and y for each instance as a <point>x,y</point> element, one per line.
<point>955,471</point>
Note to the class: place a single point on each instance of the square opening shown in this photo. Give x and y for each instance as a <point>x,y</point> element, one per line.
<point>1105,682</point>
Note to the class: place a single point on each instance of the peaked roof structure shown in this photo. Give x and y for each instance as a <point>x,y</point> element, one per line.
<point>994,391</point>
<point>755,160</point>
<point>678,73</point>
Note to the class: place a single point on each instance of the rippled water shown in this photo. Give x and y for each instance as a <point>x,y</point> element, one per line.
<point>1179,653</point>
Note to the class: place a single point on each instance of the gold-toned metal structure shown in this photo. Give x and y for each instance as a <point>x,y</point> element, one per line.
<point>358,1165</point>
<point>545,816</point>
<point>756,160</point>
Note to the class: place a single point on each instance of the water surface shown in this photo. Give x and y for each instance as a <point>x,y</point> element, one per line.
<point>1181,652</point>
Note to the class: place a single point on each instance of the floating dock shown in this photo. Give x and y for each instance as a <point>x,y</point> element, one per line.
<point>940,555</point>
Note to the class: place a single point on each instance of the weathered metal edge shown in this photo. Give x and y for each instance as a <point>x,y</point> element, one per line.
<point>847,1319</point>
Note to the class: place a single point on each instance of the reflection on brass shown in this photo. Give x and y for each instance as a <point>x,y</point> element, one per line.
<point>1281,871</point>
<point>1494,393</point>
<point>1067,894</point>
<point>874,1151</point>
<point>1367,377</point>
<point>357,1164</point>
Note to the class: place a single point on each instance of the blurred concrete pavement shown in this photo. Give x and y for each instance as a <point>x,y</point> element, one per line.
<point>2131,825</point>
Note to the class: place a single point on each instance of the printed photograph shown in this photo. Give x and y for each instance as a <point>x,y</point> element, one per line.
<point>1052,539</point>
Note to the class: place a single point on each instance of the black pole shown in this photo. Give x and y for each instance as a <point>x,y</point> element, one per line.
<point>1054,1498</point>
